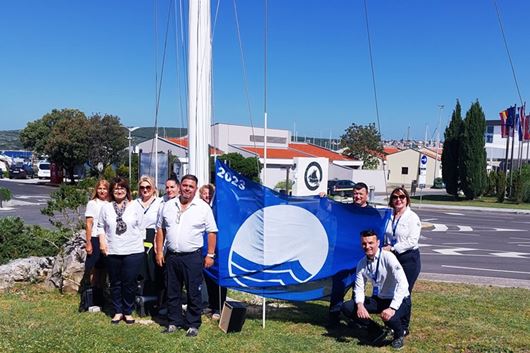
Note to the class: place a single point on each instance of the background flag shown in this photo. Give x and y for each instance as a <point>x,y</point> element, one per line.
<point>284,247</point>
<point>504,128</point>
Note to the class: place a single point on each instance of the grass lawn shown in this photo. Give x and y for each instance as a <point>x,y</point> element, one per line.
<point>484,201</point>
<point>446,318</point>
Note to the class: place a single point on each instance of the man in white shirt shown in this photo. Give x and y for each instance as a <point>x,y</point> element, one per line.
<point>183,221</point>
<point>390,299</point>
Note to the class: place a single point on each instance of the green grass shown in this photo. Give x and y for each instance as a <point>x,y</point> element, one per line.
<point>446,318</point>
<point>484,201</point>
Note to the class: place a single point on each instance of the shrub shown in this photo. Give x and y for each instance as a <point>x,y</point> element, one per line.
<point>64,208</point>
<point>5,195</point>
<point>500,186</point>
<point>19,241</point>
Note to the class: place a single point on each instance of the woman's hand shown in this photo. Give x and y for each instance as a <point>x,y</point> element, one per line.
<point>88,248</point>
<point>387,247</point>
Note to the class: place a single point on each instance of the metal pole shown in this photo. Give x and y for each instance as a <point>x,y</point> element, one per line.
<point>130,129</point>
<point>441,106</point>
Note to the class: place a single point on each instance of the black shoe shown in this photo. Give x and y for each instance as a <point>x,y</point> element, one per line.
<point>406,332</point>
<point>192,332</point>
<point>116,321</point>
<point>334,319</point>
<point>398,343</point>
<point>379,337</point>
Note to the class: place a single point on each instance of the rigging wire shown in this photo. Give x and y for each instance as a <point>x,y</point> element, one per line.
<point>245,77</point>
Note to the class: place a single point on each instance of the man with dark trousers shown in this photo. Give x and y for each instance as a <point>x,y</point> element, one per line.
<point>183,221</point>
<point>338,290</point>
<point>390,298</point>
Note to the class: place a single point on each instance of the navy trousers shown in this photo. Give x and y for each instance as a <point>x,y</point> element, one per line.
<point>184,269</point>
<point>375,305</point>
<point>123,275</point>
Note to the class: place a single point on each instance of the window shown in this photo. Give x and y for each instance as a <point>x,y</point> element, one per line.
<point>489,134</point>
<point>404,170</point>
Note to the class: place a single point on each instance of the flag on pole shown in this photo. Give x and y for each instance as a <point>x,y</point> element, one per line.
<point>526,128</point>
<point>285,247</point>
<point>512,113</point>
<point>522,121</point>
<point>504,128</point>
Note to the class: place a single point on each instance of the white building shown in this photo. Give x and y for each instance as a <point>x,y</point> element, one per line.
<point>496,145</point>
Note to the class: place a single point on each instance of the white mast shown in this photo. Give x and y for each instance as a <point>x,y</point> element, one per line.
<point>199,92</point>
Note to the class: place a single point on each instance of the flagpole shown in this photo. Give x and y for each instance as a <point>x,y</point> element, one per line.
<point>265,122</point>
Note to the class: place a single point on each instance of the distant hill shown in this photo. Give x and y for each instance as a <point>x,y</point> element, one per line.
<point>10,140</point>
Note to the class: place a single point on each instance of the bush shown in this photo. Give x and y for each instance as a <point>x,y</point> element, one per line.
<point>20,241</point>
<point>5,195</point>
<point>64,208</point>
<point>500,186</point>
<point>491,184</point>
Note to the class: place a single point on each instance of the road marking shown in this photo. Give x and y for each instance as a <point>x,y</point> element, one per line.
<point>460,243</point>
<point>518,238</point>
<point>509,230</point>
<point>511,254</point>
<point>439,227</point>
<point>465,228</point>
<point>485,269</point>
<point>519,242</point>
<point>523,245</point>
<point>454,214</point>
<point>453,251</point>
<point>429,219</point>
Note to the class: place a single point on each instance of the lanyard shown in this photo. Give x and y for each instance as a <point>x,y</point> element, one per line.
<point>148,207</point>
<point>374,275</point>
<point>394,227</point>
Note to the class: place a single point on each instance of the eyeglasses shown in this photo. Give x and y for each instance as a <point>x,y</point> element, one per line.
<point>395,197</point>
<point>148,187</point>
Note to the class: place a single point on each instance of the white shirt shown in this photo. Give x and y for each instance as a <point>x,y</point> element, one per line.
<point>150,212</point>
<point>184,230</point>
<point>407,231</point>
<point>130,242</point>
<point>93,208</point>
<point>391,280</point>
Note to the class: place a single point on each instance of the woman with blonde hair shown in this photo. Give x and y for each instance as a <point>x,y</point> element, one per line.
<point>94,264</point>
<point>402,236</point>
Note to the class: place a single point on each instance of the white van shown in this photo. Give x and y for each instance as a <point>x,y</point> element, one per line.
<point>43,170</point>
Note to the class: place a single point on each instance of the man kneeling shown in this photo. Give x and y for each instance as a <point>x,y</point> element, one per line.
<point>390,296</point>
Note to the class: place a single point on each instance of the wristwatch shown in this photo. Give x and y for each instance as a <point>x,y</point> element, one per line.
<point>212,256</point>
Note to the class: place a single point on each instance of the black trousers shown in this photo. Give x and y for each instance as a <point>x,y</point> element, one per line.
<point>338,290</point>
<point>411,262</point>
<point>184,269</point>
<point>123,274</point>
<point>375,305</point>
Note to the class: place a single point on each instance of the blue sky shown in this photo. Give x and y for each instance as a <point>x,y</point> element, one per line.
<point>99,57</point>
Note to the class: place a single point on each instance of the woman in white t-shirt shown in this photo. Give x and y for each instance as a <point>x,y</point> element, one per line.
<point>121,240</point>
<point>94,264</point>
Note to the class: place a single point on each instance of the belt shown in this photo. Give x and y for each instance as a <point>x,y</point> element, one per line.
<point>405,252</point>
<point>177,253</point>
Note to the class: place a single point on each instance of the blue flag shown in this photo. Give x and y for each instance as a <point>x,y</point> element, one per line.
<point>285,247</point>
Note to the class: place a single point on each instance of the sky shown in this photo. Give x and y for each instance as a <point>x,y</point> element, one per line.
<point>106,56</point>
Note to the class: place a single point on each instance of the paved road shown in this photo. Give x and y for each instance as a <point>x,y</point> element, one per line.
<point>29,196</point>
<point>481,244</point>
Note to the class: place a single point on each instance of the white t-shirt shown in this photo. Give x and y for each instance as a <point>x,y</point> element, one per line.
<point>130,242</point>
<point>150,212</point>
<point>93,208</point>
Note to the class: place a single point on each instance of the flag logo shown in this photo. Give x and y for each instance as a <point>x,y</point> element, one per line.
<point>281,254</point>
<point>313,176</point>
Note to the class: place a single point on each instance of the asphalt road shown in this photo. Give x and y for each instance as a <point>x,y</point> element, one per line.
<point>485,247</point>
<point>486,244</point>
<point>29,196</point>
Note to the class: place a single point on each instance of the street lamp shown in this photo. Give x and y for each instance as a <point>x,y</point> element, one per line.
<point>441,106</point>
<point>131,129</point>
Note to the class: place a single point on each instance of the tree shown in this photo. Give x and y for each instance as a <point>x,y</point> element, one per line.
<point>363,143</point>
<point>107,139</point>
<point>68,141</point>
<point>451,151</point>
<point>248,167</point>
<point>472,159</point>
<point>35,135</point>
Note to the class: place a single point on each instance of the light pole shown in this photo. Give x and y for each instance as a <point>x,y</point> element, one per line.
<point>131,129</point>
<point>441,106</point>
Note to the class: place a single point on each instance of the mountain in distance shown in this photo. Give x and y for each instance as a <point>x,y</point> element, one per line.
<point>10,140</point>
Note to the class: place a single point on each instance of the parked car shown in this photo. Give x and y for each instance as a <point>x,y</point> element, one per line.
<point>20,171</point>
<point>343,188</point>
<point>438,183</point>
<point>43,170</point>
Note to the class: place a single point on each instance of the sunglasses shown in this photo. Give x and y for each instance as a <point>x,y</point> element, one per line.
<point>148,187</point>
<point>395,197</point>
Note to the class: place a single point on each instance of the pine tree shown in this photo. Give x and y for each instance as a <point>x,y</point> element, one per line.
<point>450,153</point>
<point>472,159</point>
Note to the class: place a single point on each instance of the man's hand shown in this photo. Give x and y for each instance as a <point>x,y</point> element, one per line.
<point>387,314</point>
<point>160,259</point>
<point>387,247</point>
<point>208,262</point>
<point>362,313</point>
<point>88,248</point>
<point>103,247</point>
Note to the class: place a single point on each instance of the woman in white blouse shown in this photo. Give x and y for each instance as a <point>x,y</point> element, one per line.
<point>121,240</point>
<point>402,236</point>
<point>94,264</point>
